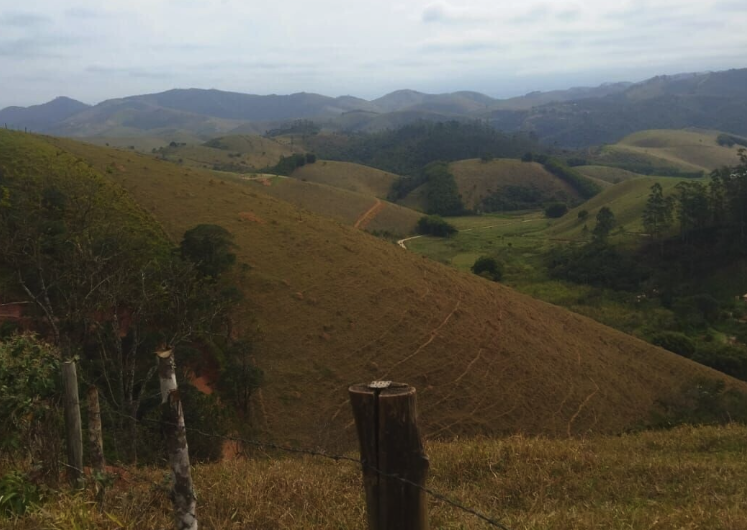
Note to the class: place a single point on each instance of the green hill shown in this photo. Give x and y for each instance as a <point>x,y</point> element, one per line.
<point>626,199</point>
<point>329,305</point>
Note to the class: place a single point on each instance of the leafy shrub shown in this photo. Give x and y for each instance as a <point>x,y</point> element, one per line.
<point>310,158</point>
<point>442,193</point>
<point>209,248</point>
<point>17,494</point>
<point>435,225</point>
<point>511,198</point>
<point>488,267</point>
<point>727,358</point>
<point>584,186</point>
<point>556,210</point>
<point>30,397</point>
<point>600,266</point>
<point>678,343</point>
<point>697,311</point>
<point>702,402</point>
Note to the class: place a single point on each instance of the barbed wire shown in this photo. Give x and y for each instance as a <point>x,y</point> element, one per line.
<point>331,456</point>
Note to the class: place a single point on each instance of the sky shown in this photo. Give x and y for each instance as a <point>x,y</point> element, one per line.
<point>96,50</point>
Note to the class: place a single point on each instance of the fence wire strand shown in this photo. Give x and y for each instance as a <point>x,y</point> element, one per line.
<point>337,458</point>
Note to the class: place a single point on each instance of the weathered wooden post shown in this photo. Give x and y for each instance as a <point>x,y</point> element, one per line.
<point>182,491</point>
<point>95,437</point>
<point>391,449</point>
<point>73,424</point>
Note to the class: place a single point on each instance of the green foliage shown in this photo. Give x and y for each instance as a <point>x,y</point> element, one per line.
<point>556,210</point>
<point>697,311</point>
<point>730,359</point>
<point>18,494</point>
<point>673,341</point>
<point>600,266</point>
<point>288,164</point>
<point>703,402</point>
<point>240,376</point>
<point>512,198</point>
<point>605,223</point>
<point>585,187</point>
<point>408,149</point>
<point>488,267</point>
<point>435,225</point>
<point>583,215</point>
<point>310,158</point>
<point>442,193</point>
<point>658,213</point>
<point>29,388</point>
<point>209,248</point>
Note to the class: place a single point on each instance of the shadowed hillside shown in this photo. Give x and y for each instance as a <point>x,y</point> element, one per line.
<point>331,305</point>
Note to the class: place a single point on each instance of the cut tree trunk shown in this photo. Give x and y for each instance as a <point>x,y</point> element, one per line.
<point>182,491</point>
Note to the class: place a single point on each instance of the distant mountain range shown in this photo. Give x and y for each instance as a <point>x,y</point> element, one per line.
<point>575,117</point>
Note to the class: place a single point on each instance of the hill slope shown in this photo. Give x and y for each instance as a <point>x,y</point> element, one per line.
<point>626,200</point>
<point>41,117</point>
<point>477,180</point>
<point>348,176</point>
<point>348,207</point>
<point>332,306</point>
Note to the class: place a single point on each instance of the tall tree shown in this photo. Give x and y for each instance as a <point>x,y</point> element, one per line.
<point>658,213</point>
<point>605,223</point>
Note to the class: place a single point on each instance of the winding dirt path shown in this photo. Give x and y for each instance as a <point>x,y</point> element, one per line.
<point>365,219</point>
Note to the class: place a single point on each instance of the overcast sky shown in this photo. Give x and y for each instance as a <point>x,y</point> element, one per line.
<point>95,50</point>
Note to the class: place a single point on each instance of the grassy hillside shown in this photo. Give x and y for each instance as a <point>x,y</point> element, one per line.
<point>685,150</point>
<point>329,305</point>
<point>348,176</point>
<point>345,206</point>
<point>239,153</point>
<point>685,478</point>
<point>626,199</point>
<point>609,174</point>
<point>477,179</point>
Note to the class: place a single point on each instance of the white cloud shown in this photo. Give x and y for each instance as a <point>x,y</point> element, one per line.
<point>361,47</point>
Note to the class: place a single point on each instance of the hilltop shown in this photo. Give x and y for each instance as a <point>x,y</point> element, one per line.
<point>329,305</point>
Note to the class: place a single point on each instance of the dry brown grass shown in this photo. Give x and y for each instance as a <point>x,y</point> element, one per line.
<point>688,478</point>
<point>477,179</point>
<point>339,204</point>
<point>348,176</point>
<point>485,359</point>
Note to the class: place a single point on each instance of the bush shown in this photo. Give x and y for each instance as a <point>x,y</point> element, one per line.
<point>556,210</point>
<point>727,358</point>
<point>435,225</point>
<point>209,248</point>
<point>678,343</point>
<point>583,215</point>
<point>310,158</point>
<point>488,267</point>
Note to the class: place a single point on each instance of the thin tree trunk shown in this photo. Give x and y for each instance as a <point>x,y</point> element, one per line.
<point>95,438</point>
<point>182,492</point>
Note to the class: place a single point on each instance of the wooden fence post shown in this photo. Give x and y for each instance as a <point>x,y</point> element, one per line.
<point>73,427</point>
<point>95,437</point>
<point>391,448</point>
<point>182,492</point>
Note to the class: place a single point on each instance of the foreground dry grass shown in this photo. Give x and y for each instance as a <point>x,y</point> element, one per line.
<point>686,478</point>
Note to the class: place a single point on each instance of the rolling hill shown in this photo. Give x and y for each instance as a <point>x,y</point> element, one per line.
<point>238,153</point>
<point>348,176</point>
<point>574,118</point>
<point>626,199</point>
<point>348,207</point>
<point>331,305</point>
<point>477,179</point>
